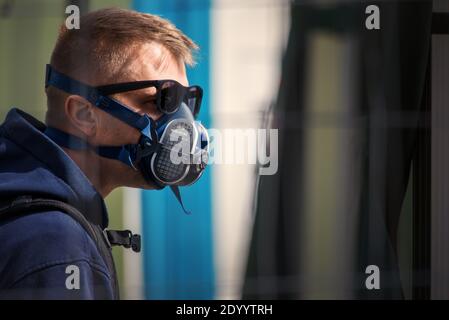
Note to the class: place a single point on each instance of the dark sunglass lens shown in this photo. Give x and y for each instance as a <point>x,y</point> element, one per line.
<point>172,94</point>
<point>194,99</point>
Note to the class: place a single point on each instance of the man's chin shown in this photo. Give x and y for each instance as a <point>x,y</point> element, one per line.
<point>144,185</point>
<point>136,180</point>
<point>148,186</point>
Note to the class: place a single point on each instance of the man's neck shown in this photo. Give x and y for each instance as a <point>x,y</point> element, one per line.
<point>96,170</point>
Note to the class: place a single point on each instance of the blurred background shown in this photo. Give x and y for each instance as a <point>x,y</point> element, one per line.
<point>362,142</point>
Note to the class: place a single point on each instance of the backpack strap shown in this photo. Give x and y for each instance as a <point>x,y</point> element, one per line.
<point>25,205</point>
<point>104,239</point>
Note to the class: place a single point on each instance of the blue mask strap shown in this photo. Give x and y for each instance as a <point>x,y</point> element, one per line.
<point>91,94</point>
<point>69,141</point>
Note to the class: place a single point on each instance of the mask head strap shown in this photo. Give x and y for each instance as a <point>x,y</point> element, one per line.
<point>94,96</point>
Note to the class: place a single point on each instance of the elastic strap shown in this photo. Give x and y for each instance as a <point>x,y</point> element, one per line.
<point>69,141</point>
<point>94,96</point>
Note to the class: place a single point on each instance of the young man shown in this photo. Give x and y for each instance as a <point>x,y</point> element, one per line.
<point>97,137</point>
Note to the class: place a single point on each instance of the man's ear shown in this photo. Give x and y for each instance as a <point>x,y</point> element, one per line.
<point>81,114</point>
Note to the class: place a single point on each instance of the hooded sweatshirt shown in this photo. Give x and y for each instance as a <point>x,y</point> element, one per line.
<point>47,255</point>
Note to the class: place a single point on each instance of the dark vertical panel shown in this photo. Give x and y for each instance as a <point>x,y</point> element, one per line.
<point>421,201</point>
<point>273,263</point>
<point>393,68</point>
<point>440,160</point>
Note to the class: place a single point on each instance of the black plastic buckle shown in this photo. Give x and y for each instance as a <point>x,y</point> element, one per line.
<point>123,238</point>
<point>136,242</point>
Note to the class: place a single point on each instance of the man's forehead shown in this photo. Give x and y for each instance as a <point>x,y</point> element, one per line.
<point>152,61</point>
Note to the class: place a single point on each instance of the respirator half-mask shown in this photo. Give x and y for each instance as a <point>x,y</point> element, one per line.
<point>172,151</point>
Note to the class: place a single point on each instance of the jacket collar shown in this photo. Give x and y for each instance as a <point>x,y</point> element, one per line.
<point>27,132</point>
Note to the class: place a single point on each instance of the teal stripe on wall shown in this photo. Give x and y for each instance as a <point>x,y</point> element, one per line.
<point>178,248</point>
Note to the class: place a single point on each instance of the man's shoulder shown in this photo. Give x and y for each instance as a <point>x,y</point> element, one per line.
<point>42,239</point>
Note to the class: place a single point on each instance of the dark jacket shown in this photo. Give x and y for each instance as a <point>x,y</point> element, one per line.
<point>38,251</point>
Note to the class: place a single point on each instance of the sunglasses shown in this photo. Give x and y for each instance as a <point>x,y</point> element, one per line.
<point>169,94</point>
